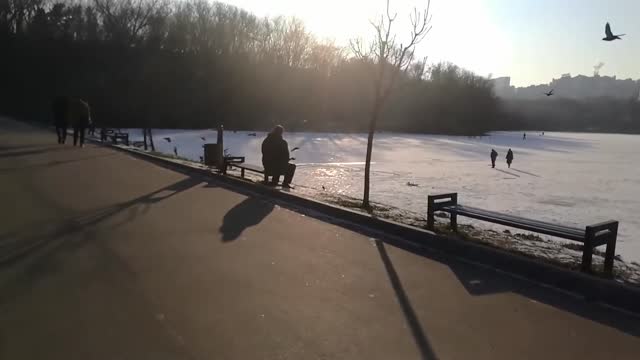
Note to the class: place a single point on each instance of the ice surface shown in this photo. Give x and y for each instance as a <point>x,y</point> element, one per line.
<point>570,178</point>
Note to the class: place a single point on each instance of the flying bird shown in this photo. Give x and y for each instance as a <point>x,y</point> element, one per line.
<point>549,93</point>
<point>295,148</point>
<point>168,139</point>
<point>610,36</point>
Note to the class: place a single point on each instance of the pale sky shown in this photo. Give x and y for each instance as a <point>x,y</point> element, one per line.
<point>532,41</point>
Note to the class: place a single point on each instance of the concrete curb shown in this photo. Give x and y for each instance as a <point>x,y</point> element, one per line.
<point>422,241</point>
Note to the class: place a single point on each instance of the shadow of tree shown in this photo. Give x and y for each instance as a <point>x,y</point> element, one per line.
<point>405,304</point>
<point>53,163</point>
<point>39,244</point>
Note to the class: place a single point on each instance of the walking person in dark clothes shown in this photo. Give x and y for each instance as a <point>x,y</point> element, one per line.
<point>79,116</point>
<point>59,107</point>
<point>92,128</point>
<point>509,158</point>
<point>494,156</point>
<point>275,158</point>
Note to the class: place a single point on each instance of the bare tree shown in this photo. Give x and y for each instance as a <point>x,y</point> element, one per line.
<point>388,58</point>
<point>128,20</point>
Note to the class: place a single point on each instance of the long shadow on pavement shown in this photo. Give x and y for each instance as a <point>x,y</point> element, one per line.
<point>36,151</point>
<point>412,320</point>
<point>39,246</point>
<point>250,212</point>
<point>53,163</point>
<point>479,280</point>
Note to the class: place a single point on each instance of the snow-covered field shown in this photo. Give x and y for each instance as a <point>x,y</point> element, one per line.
<point>569,178</point>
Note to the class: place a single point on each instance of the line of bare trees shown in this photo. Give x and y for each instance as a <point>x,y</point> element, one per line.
<point>196,63</point>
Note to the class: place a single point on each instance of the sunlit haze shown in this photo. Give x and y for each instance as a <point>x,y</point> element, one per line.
<point>532,41</point>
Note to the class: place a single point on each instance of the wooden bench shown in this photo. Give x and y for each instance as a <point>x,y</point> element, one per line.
<point>104,133</point>
<point>591,236</point>
<point>247,167</point>
<point>120,136</point>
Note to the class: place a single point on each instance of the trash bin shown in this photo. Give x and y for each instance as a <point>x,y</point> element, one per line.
<point>212,155</point>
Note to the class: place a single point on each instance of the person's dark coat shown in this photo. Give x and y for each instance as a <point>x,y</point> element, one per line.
<point>510,156</point>
<point>275,154</point>
<point>60,107</point>
<point>494,155</point>
<point>78,114</point>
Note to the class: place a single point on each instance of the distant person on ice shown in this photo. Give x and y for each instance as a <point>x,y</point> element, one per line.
<point>275,158</point>
<point>59,108</point>
<point>509,158</point>
<point>524,136</point>
<point>494,156</point>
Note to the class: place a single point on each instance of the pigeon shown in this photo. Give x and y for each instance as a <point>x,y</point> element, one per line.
<point>295,148</point>
<point>203,138</point>
<point>549,93</point>
<point>610,36</point>
<point>168,139</point>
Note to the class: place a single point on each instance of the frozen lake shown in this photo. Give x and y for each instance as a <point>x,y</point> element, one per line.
<point>569,178</point>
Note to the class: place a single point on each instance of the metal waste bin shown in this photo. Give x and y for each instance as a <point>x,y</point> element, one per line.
<point>212,155</point>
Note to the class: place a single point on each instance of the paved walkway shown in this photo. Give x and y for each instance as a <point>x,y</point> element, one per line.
<point>133,261</point>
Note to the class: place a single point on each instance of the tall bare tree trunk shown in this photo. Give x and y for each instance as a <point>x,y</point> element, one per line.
<point>367,165</point>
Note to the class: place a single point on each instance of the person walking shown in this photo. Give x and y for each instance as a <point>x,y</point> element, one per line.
<point>79,116</point>
<point>509,158</point>
<point>59,108</point>
<point>275,158</point>
<point>524,136</point>
<point>494,156</point>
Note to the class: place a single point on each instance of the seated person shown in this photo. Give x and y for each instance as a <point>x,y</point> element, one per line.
<point>275,158</point>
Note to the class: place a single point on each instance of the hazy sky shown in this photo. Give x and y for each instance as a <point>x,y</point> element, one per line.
<point>532,41</point>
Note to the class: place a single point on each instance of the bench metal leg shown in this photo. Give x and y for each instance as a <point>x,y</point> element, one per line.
<point>430,213</point>
<point>242,173</point>
<point>611,249</point>
<point>433,206</point>
<point>587,251</point>
<point>454,216</point>
<point>454,222</point>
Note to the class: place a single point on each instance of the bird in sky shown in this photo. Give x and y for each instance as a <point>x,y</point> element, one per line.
<point>295,148</point>
<point>610,36</point>
<point>549,93</point>
<point>168,139</point>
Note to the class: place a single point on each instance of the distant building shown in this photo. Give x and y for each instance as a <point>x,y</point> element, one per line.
<point>578,87</point>
<point>502,87</point>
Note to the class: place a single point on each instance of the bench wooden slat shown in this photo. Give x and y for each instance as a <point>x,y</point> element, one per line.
<point>559,231</point>
<point>254,168</point>
<point>575,233</point>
